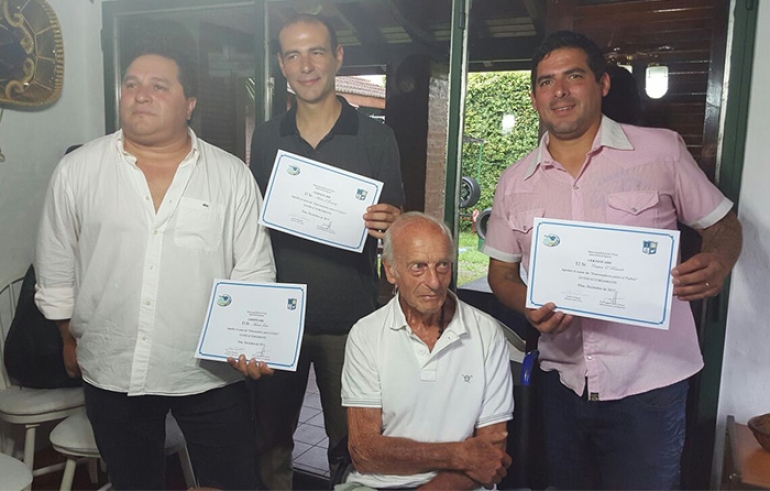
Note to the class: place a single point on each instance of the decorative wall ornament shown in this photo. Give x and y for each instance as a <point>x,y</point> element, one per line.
<point>31,54</point>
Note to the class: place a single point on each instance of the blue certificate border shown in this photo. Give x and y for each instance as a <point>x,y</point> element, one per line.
<point>278,286</point>
<point>305,235</point>
<point>648,233</point>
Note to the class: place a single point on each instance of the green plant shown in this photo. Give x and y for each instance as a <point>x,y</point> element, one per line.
<point>471,263</point>
<point>489,97</point>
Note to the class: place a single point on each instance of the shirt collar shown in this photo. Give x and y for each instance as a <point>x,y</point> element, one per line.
<point>610,135</point>
<point>192,156</point>
<point>457,325</point>
<point>347,123</point>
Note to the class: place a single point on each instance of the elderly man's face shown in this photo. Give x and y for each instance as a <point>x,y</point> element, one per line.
<point>423,267</point>
<point>153,107</point>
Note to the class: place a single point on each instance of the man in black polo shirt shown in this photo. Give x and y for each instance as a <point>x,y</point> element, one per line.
<point>342,285</point>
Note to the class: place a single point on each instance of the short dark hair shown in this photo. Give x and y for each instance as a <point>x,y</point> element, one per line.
<point>309,19</point>
<point>170,40</point>
<point>570,39</point>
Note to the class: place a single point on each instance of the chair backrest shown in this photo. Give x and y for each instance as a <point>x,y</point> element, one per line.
<point>9,297</point>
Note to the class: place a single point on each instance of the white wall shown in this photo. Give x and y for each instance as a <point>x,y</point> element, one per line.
<point>33,141</point>
<point>745,389</point>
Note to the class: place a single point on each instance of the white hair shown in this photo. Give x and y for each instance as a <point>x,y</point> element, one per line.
<point>387,245</point>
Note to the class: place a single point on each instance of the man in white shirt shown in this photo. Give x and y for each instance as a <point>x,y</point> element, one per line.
<point>426,380</point>
<point>135,228</point>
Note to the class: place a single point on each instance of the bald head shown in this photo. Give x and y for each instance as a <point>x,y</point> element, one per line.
<point>413,221</point>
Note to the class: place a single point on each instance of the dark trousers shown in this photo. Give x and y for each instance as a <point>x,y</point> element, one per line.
<point>217,425</point>
<point>632,443</point>
<point>278,402</point>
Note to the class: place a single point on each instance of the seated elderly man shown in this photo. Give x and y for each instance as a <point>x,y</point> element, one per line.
<point>426,380</point>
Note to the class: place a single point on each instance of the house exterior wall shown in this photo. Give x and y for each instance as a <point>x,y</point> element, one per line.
<point>745,387</point>
<point>34,140</point>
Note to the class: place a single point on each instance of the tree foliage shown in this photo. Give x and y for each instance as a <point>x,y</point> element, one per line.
<point>490,96</point>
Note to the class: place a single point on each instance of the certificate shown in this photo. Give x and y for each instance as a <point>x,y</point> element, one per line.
<point>608,272</point>
<point>264,321</point>
<point>318,202</point>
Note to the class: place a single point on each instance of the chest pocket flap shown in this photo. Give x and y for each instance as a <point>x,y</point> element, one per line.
<point>523,220</point>
<point>633,202</point>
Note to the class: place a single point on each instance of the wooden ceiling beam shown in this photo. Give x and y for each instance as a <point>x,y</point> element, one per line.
<point>417,32</point>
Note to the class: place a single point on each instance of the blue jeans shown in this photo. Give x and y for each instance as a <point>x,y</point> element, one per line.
<point>632,443</point>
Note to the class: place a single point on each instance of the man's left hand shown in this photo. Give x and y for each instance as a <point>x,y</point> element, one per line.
<point>701,276</point>
<point>250,368</point>
<point>379,217</point>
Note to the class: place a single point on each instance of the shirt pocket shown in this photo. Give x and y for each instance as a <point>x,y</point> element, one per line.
<point>521,222</point>
<point>635,208</point>
<point>198,225</point>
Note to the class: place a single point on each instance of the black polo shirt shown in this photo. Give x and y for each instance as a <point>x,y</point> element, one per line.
<point>342,286</point>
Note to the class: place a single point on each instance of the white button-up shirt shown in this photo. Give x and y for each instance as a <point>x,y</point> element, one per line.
<point>135,282</point>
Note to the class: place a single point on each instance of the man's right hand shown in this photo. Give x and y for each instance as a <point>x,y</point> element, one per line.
<point>547,320</point>
<point>483,459</point>
<point>71,358</point>
<point>70,349</point>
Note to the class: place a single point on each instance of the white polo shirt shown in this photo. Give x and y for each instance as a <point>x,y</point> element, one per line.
<point>440,396</point>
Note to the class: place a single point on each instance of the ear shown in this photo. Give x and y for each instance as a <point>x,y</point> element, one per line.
<point>191,102</point>
<point>604,81</point>
<point>390,272</point>
<point>533,100</point>
<point>339,56</point>
<point>280,64</point>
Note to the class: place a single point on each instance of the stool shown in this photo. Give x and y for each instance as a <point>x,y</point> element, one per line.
<point>16,475</point>
<point>74,438</point>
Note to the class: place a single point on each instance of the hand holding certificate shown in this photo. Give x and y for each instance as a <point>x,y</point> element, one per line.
<point>318,202</point>
<point>608,272</point>
<point>262,321</point>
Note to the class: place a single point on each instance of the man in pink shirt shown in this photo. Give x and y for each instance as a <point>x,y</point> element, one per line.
<point>614,394</point>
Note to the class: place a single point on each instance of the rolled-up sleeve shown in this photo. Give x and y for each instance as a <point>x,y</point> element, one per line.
<point>55,251</point>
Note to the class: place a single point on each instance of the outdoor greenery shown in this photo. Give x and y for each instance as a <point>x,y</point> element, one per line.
<point>473,263</point>
<point>489,97</point>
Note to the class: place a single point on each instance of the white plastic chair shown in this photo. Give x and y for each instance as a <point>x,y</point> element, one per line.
<point>74,438</point>
<point>26,406</point>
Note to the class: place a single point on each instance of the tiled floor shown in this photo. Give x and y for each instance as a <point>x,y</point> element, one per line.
<point>310,440</point>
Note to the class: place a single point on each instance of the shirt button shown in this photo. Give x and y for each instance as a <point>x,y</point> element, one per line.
<point>575,186</point>
<point>590,357</point>
<point>155,232</point>
<point>634,209</point>
<point>148,303</point>
<point>147,198</point>
<point>144,338</point>
<point>152,268</point>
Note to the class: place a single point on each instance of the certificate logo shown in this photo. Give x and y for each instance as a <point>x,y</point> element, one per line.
<point>293,170</point>
<point>649,247</point>
<point>224,300</point>
<point>361,194</point>
<point>291,304</point>
<point>551,240</point>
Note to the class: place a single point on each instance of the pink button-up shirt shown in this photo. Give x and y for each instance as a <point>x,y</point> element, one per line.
<point>642,177</point>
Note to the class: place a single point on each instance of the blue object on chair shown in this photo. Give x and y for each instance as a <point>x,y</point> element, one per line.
<point>520,475</point>
<point>528,366</point>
